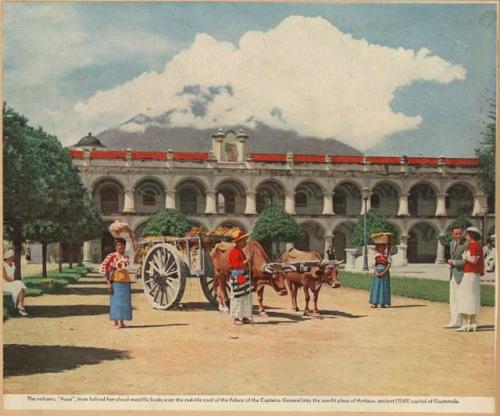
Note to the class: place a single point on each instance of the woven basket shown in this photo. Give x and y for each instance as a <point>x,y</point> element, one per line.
<point>381,238</point>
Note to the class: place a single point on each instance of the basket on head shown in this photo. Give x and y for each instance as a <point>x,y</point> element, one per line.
<point>382,238</point>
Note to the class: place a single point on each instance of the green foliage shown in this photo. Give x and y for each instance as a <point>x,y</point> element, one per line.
<point>375,223</point>
<point>486,152</point>
<point>426,289</point>
<point>275,224</point>
<point>168,222</point>
<point>462,220</point>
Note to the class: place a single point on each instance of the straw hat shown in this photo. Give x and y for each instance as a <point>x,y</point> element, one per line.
<point>8,254</point>
<point>240,236</point>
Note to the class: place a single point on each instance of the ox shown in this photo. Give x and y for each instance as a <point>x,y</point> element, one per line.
<point>311,272</point>
<point>261,270</point>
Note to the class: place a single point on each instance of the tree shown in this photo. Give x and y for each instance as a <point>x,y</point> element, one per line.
<point>275,224</point>
<point>486,152</point>
<point>25,188</point>
<point>41,185</point>
<point>167,222</point>
<point>375,223</point>
<point>461,221</point>
<point>45,233</point>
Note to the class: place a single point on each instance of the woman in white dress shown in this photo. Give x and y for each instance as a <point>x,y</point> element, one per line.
<point>15,287</point>
<point>469,291</point>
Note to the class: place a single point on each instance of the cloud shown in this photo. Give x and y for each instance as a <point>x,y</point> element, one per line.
<point>304,75</point>
<point>44,42</point>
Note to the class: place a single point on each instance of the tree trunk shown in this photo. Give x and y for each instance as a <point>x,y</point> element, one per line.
<point>18,247</point>
<point>44,259</point>
<point>71,248</point>
<point>60,256</point>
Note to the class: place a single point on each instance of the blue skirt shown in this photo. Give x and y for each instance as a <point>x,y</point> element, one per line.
<point>380,293</point>
<point>121,302</point>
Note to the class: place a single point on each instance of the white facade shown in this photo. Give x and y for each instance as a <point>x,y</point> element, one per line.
<point>420,196</point>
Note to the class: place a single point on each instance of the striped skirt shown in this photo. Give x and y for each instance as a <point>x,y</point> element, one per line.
<point>380,293</point>
<point>121,302</point>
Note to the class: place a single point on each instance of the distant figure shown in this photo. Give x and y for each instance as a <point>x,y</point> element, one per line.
<point>457,248</point>
<point>330,253</point>
<point>28,253</point>
<point>15,287</point>
<point>469,291</point>
<point>489,256</point>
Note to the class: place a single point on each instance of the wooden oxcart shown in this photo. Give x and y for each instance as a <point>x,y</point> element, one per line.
<point>165,264</point>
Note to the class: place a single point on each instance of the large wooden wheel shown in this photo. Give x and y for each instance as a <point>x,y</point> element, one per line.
<point>162,275</point>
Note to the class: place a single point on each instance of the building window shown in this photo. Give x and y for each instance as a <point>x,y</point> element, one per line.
<point>109,201</point>
<point>301,200</point>
<point>149,197</point>
<point>375,201</point>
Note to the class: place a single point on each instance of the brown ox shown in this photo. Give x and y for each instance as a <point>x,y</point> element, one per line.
<point>271,275</point>
<point>311,273</point>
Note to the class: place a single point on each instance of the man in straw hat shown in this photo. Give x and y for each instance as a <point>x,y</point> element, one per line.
<point>457,248</point>
<point>15,287</point>
<point>241,299</point>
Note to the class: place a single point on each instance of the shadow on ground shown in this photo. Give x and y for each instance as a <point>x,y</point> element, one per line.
<point>88,291</point>
<point>406,306</point>
<point>59,311</point>
<point>22,360</point>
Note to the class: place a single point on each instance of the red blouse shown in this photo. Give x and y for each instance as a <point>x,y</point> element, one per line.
<point>475,250</point>
<point>236,258</point>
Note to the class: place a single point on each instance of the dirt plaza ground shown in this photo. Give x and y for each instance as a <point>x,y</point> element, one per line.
<point>68,346</point>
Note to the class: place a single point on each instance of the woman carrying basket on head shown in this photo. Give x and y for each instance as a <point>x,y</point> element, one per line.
<point>380,293</point>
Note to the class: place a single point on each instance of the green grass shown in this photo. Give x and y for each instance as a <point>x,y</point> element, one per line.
<point>426,289</point>
<point>55,282</point>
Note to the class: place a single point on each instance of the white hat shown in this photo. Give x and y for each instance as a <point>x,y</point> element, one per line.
<point>8,254</point>
<point>473,230</point>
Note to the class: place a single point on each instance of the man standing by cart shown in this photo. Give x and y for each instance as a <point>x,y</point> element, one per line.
<point>241,299</point>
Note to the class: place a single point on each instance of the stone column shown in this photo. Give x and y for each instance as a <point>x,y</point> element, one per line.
<point>480,205</point>
<point>441,206</point>
<point>210,203</point>
<point>328,203</point>
<point>403,205</point>
<point>250,207</point>
<point>129,204</point>
<point>170,198</point>
<point>289,245</point>
<point>350,255</point>
<point>87,253</point>
<point>290,202</point>
<point>440,251</point>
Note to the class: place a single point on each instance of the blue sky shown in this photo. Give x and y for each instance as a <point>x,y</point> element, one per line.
<point>74,68</point>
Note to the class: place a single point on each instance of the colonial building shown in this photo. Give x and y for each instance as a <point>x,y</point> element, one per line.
<point>326,194</point>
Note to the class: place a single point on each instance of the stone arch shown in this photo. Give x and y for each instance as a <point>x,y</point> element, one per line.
<point>422,242</point>
<point>190,197</point>
<point>151,178</point>
<point>201,181</point>
<point>385,198</point>
<point>230,196</point>
<point>313,181</point>
<point>347,198</point>
<point>269,192</point>
<point>149,195</point>
<point>108,196</point>
<point>107,178</point>
<point>313,237</point>
<point>422,199</point>
<point>342,238</point>
<point>309,198</point>
<point>459,199</point>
